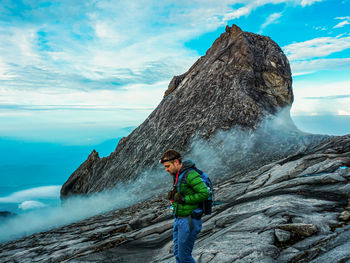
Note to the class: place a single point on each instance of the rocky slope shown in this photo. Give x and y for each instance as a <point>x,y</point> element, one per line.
<point>242,79</point>
<point>293,210</point>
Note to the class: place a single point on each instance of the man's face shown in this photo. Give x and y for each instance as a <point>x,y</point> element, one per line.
<point>172,167</point>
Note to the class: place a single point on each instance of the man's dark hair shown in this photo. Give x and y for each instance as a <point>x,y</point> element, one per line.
<point>171,155</point>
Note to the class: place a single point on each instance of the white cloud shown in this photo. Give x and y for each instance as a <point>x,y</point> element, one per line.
<point>250,6</point>
<point>342,24</point>
<point>304,67</point>
<point>307,57</point>
<point>242,11</point>
<point>10,113</point>
<point>344,112</point>
<point>321,28</point>
<point>132,96</point>
<point>272,19</point>
<point>296,72</point>
<point>73,115</point>
<point>44,192</point>
<point>18,46</point>
<point>317,47</point>
<point>346,21</point>
<point>309,2</point>
<point>28,205</point>
<point>4,71</point>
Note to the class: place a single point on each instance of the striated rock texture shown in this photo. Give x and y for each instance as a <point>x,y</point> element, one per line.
<point>242,79</point>
<point>293,210</point>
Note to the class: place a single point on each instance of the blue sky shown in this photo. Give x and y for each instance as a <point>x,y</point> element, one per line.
<point>78,72</point>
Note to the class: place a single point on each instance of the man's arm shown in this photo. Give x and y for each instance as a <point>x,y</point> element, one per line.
<point>201,191</point>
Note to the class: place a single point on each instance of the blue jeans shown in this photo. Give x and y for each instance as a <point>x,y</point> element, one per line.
<point>184,238</point>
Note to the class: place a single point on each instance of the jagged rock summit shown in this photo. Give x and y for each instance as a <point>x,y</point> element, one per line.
<point>243,78</point>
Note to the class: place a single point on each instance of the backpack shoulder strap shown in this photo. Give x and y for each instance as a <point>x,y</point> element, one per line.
<point>183,178</point>
<point>198,171</point>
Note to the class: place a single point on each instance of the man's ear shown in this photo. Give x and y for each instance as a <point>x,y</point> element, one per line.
<point>176,161</point>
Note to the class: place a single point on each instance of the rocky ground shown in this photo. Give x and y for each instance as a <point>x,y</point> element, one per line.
<point>293,210</point>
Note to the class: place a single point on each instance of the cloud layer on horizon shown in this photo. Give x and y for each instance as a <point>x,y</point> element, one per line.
<point>335,99</point>
<point>43,192</point>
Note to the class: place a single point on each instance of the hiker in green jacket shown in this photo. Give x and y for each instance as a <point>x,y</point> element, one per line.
<point>188,192</point>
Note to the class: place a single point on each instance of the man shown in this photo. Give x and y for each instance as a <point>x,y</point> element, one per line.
<point>188,192</point>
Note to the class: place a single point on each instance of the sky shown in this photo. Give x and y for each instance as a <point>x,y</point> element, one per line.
<point>76,72</point>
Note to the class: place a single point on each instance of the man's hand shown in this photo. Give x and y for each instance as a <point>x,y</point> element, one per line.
<point>179,198</point>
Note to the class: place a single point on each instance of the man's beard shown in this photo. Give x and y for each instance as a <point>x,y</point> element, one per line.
<point>174,173</point>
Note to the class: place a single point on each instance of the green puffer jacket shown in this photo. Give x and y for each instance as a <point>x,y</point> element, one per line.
<point>193,189</point>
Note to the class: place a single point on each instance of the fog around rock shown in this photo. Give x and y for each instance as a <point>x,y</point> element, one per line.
<point>226,153</point>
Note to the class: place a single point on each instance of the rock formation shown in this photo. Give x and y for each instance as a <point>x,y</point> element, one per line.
<point>242,79</point>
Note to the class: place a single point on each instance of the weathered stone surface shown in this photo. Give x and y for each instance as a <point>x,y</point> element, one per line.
<point>246,227</point>
<point>242,79</point>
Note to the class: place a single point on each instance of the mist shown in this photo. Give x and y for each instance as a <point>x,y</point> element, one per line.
<point>225,154</point>
<point>239,150</point>
<point>77,208</point>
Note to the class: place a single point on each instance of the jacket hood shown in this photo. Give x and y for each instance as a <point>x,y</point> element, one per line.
<point>187,165</point>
